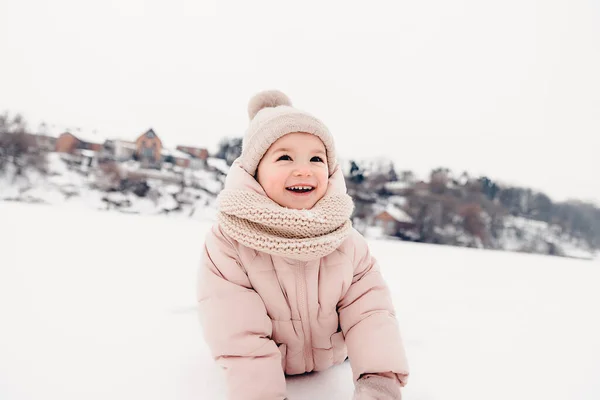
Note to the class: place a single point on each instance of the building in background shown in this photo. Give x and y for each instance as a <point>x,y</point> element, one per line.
<point>119,150</point>
<point>199,156</point>
<point>393,220</point>
<point>176,157</point>
<point>149,149</point>
<point>73,141</point>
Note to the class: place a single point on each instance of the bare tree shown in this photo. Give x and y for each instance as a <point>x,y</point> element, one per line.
<point>18,148</point>
<point>109,176</point>
<point>229,149</point>
<point>473,221</point>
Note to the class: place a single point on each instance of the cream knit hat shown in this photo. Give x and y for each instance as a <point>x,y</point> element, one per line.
<point>271,117</point>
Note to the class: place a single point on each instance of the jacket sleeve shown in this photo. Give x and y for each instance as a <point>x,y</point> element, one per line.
<point>236,326</point>
<point>368,320</point>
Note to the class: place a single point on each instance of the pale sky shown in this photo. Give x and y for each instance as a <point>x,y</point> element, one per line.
<point>510,89</point>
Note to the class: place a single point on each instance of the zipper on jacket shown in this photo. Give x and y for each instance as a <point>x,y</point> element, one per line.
<point>301,276</point>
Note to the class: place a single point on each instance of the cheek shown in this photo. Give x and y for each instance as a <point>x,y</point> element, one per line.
<point>274,180</point>
<point>323,179</point>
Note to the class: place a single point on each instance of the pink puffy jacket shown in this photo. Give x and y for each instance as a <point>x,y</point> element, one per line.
<point>264,315</point>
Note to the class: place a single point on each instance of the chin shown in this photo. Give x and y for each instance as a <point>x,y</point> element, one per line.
<point>297,205</point>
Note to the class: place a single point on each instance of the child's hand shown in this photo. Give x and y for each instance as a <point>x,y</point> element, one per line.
<point>377,387</point>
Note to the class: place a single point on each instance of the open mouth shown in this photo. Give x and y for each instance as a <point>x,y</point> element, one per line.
<point>300,189</point>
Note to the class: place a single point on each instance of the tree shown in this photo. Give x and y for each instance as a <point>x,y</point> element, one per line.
<point>542,207</point>
<point>19,150</point>
<point>489,188</point>
<point>438,180</point>
<point>472,220</point>
<point>229,149</point>
<point>356,174</point>
<point>109,176</point>
<point>392,175</point>
<point>407,176</point>
<point>579,220</point>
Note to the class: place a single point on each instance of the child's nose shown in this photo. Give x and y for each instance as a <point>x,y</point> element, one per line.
<point>303,170</point>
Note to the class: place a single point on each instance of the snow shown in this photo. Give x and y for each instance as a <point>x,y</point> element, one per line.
<point>398,201</point>
<point>521,222</point>
<point>117,197</point>
<point>51,189</point>
<point>374,232</point>
<point>537,234</point>
<point>208,180</point>
<point>161,175</point>
<point>397,185</point>
<point>71,188</point>
<point>218,164</point>
<point>88,153</point>
<point>109,313</point>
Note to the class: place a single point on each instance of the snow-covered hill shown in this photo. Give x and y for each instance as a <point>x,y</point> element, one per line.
<point>188,193</point>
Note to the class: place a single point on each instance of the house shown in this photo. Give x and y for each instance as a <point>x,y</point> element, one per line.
<point>119,150</point>
<point>148,149</point>
<point>197,152</point>
<point>393,220</point>
<point>398,187</point>
<point>199,156</point>
<point>81,148</point>
<point>75,140</point>
<point>421,188</point>
<point>176,157</point>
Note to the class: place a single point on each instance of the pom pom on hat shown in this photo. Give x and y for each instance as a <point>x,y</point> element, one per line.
<point>268,98</point>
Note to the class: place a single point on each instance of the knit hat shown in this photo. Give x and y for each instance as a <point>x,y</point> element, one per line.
<point>271,117</point>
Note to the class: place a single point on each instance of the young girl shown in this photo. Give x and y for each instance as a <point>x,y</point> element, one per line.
<point>286,285</point>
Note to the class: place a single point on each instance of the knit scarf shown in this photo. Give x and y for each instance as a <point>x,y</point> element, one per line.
<point>256,221</point>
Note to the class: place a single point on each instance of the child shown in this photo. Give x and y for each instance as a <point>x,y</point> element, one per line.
<point>287,286</point>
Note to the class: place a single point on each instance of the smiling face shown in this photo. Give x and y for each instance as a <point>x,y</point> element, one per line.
<point>294,172</point>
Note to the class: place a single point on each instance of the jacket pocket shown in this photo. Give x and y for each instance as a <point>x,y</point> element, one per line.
<point>340,352</point>
<point>283,350</point>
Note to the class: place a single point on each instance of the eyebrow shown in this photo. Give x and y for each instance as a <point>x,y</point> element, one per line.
<point>286,150</point>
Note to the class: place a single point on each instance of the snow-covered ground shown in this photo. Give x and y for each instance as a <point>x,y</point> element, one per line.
<point>100,305</point>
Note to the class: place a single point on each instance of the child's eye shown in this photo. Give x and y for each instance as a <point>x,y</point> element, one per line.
<point>316,159</point>
<point>284,158</point>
